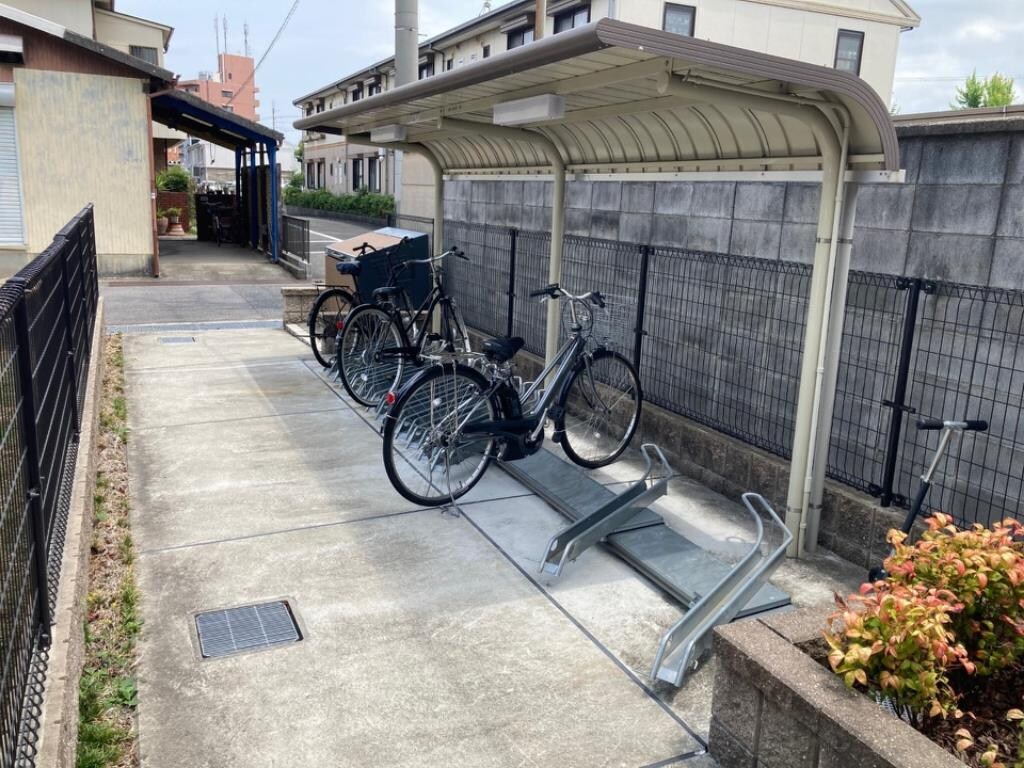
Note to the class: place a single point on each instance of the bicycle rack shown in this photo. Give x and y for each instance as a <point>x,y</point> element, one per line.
<point>712,591</point>
<point>681,647</point>
<point>569,543</point>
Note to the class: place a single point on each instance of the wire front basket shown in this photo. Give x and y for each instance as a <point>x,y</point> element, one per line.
<point>610,326</point>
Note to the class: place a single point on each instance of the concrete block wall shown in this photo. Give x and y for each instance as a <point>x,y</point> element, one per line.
<point>959,217</point>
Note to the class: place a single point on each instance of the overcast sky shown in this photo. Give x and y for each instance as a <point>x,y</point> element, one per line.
<point>327,39</point>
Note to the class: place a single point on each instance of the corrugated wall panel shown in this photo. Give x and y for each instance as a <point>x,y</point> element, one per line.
<point>11,223</point>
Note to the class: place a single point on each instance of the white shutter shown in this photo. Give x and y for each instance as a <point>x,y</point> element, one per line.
<point>11,226</point>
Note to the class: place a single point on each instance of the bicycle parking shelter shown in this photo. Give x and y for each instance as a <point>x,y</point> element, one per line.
<point>615,101</point>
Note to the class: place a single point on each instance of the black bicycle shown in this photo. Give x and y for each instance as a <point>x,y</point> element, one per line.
<point>451,421</point>
<point>327,315</point>
<point>379,341</point>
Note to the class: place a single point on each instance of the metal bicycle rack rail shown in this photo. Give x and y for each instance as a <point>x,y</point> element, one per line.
<point>713,591</point>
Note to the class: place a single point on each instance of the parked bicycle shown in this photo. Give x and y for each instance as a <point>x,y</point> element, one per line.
<point>327,315</point>
<point>378,341</point>
<point>448,423</point>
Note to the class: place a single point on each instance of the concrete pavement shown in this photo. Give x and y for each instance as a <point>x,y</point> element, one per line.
<point>428,640</point>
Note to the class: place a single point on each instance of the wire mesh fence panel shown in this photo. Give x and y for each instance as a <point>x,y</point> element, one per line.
<point>724,336</point>
<point>612,268</point>
<point>968,363</point>
<point>19,590</point>
<point>480,285</point>
<point>533,251</point>
<point>870,349</point>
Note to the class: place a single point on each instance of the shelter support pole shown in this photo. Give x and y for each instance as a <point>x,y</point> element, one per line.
<point>274,186</point>
<point>253,225</point>
<point>834,151</point>
<point>238,177</point>
<point>557,163</point>
<point>832,349</point>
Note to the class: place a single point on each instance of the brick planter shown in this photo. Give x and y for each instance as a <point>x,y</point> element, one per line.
<point>297,302</point>
<point>775,707</point>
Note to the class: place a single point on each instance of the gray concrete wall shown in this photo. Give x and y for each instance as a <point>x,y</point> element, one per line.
<point>959,217</point>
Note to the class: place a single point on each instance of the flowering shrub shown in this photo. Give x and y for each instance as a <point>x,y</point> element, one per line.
<point>984,568</point>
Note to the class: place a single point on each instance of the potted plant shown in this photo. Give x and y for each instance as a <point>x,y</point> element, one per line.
<point>161,222</point>
<point>174,217</point>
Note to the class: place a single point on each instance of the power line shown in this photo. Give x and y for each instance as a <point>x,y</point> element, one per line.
<point>280,29</point>
<point>944,79</point>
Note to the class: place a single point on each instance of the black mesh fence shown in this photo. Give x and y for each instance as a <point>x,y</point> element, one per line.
<point>719,339</point>
<point>47,313</point>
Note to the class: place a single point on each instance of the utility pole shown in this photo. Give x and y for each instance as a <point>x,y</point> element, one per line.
<point>225,37</point>
<point>216,33</point>
<point>245,36</point>
<point>273,115</point>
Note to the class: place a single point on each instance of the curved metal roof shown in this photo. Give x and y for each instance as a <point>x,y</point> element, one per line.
<point>636,100</point>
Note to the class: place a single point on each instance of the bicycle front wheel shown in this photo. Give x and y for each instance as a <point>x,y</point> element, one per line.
<point>600,409</point>
<point>367,362</point>
<point>325,319</point>
<point>427,455</point>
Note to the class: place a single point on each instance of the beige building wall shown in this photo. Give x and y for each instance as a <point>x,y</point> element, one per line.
<point>108,120</point>
<point>76,15</point>
<point>122,32</point>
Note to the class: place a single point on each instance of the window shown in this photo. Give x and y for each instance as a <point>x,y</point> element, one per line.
<point>226,93</point>
<point>144,52</point>
<point>679,19</point>
<point>372,174</point>
<point>426,70</point>
<point>373,88</point>
<point>449,64</point>
<point>310,178</point>
<point>229,76</point>
<point>520,37</point>
<point>320,106</point>
<point>357,174</point>
<point>849,47</point>
<point>487,51</point>
<point>577,17</point>
<point>357,92</point>
<point>228,107</point>
<point>330,169</point>
<point>11,227</point>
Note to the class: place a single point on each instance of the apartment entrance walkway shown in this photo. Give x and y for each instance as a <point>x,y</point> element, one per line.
<point>199,283</point>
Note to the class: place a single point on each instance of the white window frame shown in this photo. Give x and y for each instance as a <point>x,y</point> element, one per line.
<point>7,102</point>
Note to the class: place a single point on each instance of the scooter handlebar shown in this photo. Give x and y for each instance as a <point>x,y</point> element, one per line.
<point>970,425</point>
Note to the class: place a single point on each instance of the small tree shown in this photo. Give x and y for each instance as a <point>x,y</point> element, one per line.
<point>995,91</point>
<point>300,151</point>
<point>173,179</point>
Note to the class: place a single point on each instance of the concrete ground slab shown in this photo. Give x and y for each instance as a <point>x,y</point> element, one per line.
<point>423,647</point>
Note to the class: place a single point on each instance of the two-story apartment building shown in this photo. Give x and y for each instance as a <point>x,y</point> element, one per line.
<point>859,36</point>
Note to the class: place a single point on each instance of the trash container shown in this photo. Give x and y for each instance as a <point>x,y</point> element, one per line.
<point>390,246</point>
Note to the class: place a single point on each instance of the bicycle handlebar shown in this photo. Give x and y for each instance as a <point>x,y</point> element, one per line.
<point>554,290</point>
<point>968,425</point>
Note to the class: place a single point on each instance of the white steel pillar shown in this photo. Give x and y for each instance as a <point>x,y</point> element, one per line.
<point>832,348</point>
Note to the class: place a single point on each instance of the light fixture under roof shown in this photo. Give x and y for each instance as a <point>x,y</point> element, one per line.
<point>388,134</point>
<point>535,109</point>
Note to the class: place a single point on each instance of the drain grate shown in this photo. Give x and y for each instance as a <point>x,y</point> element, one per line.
<point>222,633</point>
<point>176,339</point>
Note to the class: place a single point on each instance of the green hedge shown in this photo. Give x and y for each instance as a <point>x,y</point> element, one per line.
<point>362,202</point>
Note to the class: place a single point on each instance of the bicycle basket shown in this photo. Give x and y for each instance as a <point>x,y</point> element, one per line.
<point>610,326</point>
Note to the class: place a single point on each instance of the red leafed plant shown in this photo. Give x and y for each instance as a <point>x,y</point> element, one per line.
<point>984,568</point>
<point>897,640</point>
<point>945,626</point>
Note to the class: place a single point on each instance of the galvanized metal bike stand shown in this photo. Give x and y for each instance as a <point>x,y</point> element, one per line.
<point>713,591</point>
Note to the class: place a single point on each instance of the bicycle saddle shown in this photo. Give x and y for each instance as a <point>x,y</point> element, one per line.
<point>502,349</point>
<point>349,267</point>
<point>386,292</point>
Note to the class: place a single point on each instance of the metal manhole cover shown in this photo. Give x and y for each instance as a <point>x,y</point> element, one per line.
<point>222,633</point>
<point>176,339</point>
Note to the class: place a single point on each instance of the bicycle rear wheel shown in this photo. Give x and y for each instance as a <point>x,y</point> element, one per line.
<point>426,456</point>
<point>325,318</point>
<point>368,371</point>
<point>600,409</point>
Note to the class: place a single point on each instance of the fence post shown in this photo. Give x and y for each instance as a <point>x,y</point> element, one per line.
<point>898,402</point>
<point>513,239</point>
<point>35,501</point>
<point>641,306</point>
<point>69,330</point>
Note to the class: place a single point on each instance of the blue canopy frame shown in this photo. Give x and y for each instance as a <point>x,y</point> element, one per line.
<point>190,114</point>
